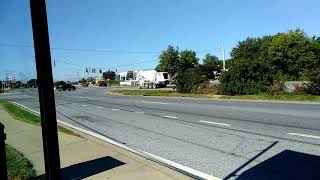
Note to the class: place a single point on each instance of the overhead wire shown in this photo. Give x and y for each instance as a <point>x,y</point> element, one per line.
<point>96,50</point>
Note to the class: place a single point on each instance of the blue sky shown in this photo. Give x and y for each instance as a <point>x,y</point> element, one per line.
<point>143,25</point>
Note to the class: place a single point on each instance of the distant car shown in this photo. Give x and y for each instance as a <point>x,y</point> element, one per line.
<point>65,87</point>
<point>105,84</point>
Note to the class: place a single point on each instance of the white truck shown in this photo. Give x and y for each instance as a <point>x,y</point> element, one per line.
<point>151,79</point>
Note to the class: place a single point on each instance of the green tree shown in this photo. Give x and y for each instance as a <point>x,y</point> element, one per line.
<point>187,79</point>
<point>258,62</point>
<point>313,87</point>
<point>109,75</point>
<point>210,63</point>
<point>18,84</point>
<point>313,74</point>
<point>169,60</point>
<point>83,80</point>
<point>291,55</point>
<point>91,80</point>
<point>130,74</point>
<point>249,71</point>
<point>188,59</point>
<point>32,83</point>
<point>245,78</point>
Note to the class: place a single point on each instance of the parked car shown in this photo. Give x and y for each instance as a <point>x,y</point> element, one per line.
<point>65,87</point>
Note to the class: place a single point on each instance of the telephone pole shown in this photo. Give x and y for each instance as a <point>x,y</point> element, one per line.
<point>223,56</point>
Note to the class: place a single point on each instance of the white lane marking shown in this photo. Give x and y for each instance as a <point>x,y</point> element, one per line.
<point>65,102</point>
<point>136,151</point>
<point>154,102</point>
<point>99,107</point>
<point>138,112</point>
<point>172,117</point>
<point>115,109</point>
<point>210,122</point>
<point>304,135</point>
<point>184,168</point>
<point>84,105</point>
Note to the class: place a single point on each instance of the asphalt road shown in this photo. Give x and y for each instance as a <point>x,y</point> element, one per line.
<point>222,138</point>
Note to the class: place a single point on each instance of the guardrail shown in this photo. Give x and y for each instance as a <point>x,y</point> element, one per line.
<point>3,161</point>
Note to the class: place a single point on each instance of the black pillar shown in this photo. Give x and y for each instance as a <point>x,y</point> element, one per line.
<point>3,162</point>
<point>45,89</point>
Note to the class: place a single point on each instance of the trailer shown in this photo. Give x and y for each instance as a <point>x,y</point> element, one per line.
<point>151,79</point>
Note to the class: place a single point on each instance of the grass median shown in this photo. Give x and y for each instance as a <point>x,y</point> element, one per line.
<point>168,93</point>
<point>21,114</point>
<point>18,167</point>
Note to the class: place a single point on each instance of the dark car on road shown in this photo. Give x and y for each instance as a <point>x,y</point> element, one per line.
<point>103,84</point>
<point>64,87</point>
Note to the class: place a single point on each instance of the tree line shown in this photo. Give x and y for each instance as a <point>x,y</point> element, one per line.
<point>256,65</point>
<point>185,69</point>
<point>259,64</point>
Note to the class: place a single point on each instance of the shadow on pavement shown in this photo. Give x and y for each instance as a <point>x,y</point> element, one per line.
<point>285,165</point>
<point>88,168</point>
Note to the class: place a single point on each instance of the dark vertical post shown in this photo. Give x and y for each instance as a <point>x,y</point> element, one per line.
<point>45,89</point>
<point>3,162</point>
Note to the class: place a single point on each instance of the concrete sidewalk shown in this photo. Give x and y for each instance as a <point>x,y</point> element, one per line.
<point>83,157</point>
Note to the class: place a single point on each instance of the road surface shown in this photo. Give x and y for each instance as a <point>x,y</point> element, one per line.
<point>226,139</point>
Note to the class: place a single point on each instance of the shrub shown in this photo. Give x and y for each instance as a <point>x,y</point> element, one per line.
<point>246,77</point>
<point>313,87</point>
<point>187,79</point>
<point>206,88</point>
<point>277,88</point>
<point>114,82</point>
<point>299,89</point>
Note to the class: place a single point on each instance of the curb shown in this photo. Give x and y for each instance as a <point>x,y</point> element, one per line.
<point>167,163</point>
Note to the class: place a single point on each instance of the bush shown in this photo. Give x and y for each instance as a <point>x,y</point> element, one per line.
<point>246,77</point>
<point>187,79</point>
<point>206,88</point>
<point>114,82</point>
<point>313,87</point>
<point>85,84</point>
<point>277,88</point>
<point>299,89</point>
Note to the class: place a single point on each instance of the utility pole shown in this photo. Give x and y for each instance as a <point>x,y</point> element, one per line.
<point>1,78</point>
<point>223,57</point>
<point>54,71</point>
<point>134,81</point>
<point>78,76</point>
<point>45,89</point>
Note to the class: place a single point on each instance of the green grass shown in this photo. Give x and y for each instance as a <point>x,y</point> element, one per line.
<point>21,114</point>
<point>159,93</point>
<point>169,93</point>
<point>67,131</point>
<point>19,168</point>
<point>287,97</point>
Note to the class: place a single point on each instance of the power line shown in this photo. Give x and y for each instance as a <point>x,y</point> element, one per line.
<point>67,62</point>
<point>96,50</point>
<point>116,66</point>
